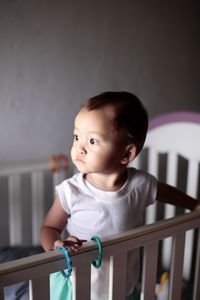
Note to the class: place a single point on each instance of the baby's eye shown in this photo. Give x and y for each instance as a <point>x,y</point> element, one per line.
<point>76,138</point>
<point>93,141</point>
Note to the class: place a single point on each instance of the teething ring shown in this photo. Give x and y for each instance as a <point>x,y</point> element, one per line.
<point>100,254</point>
<point>65,251</point>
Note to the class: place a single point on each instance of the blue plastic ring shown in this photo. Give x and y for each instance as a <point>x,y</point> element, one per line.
<point>65,251</point>
<point>100,254</point>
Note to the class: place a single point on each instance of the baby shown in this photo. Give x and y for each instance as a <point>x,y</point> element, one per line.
<point>106,196</point>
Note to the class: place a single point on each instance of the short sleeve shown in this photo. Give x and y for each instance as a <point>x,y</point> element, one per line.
<point>144,186</point>
<point>150,189</point>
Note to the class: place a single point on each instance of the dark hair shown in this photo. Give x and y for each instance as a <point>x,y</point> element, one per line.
<point>131,115</point>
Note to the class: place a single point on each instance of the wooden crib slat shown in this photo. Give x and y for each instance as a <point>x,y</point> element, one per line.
<point>39,288</point>
<point>153,162</point>
<point>37,186</point>
<point>192,178</point>
<point>172,166</point>
<point>81,288</point>
<point>177,266</point>
<point>117,284</point>
<point>191,189</point>
<point>166,252</point>
<point>4,209</point>
<point>196,289</point>
<point>150,261</point>
<point>15,210</point>
<point>187,267</point>
<point>1,294</point>
<point>150,214</point>
<point>172,163</point>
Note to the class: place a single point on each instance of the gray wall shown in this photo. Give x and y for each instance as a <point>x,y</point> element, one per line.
<point>55,54</point>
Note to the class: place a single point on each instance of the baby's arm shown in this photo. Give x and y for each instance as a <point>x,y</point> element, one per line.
<point>172,195</point>
<point>52,226</point>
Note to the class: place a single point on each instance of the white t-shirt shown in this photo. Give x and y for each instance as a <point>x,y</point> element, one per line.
<point>95,212</point>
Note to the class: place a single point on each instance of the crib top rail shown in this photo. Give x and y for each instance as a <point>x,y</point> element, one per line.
<point>21,167</point>
<point>49,262</point>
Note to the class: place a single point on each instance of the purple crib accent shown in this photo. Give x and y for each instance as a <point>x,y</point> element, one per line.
<point>179,116</point>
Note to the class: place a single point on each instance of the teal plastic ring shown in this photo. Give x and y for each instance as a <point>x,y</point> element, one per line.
<point>66,273</point>
<point>100,254</point>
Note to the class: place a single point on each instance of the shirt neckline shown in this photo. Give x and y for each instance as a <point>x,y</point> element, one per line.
<point>98,193</point>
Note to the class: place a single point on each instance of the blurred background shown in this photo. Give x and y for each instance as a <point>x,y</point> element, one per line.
<point>56,54</point>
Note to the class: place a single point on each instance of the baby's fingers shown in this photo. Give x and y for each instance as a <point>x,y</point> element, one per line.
<point>59,243</point>
<point>74,243</point>
<point>73,246</point>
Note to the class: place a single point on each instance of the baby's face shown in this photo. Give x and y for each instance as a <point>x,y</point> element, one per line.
<point>97,147</point>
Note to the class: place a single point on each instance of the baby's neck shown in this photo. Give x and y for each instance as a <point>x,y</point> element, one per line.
<point>107,182</point>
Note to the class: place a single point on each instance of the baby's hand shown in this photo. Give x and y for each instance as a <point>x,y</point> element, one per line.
<point>72,242</point>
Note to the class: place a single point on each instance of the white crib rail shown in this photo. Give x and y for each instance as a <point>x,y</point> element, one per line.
<point>38,267</point>
<point>25,197</point>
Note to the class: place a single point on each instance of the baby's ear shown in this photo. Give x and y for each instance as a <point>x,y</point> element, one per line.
<point>129,154</point>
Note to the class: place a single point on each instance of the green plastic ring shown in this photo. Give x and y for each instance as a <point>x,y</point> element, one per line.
<point>100,254</point>
<point>65,251</point>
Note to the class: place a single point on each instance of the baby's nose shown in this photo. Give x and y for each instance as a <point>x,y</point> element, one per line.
<point>81,150</point>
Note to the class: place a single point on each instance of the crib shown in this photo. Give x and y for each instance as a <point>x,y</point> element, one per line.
<point>163,243</point>
<point>37,268</point>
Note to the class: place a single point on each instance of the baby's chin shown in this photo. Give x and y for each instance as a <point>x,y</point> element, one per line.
<point>85,170</point>
<point>84,167</point>
<point>81,167</point>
